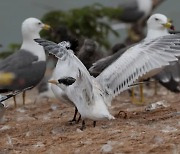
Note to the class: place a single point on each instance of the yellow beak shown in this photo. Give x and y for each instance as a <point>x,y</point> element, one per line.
<point>6,78</point>
<point>53,82</point>
<point>167,25</point>
<point>46,27</point>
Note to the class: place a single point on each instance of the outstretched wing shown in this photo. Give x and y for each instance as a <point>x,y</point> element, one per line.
<point>137,61</point>
<point>49,46</point>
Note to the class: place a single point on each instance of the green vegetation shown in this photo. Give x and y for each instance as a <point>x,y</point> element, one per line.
<point>87,22</point>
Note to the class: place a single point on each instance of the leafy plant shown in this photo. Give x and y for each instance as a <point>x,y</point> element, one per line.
<point>86,22</point>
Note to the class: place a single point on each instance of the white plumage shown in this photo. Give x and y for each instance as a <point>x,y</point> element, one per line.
<point>29,61</point>
<point>30,30</point>
<point>91,95</point>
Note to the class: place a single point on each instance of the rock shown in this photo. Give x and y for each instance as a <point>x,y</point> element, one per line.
<point>21,110</point>
<point>169,129</point>
<point>45,117</point>
<point>106,148</point>
<point>24,118</point>
<point>58,130</point>
<point>157,140</point>
<point>113,142</point>
<point>54,107</point>
<point>78,130</point>
<point>28,134</point>
<point>88,142</point>
<point>9,140</point>
<point>157,105</point>
<point>77,151</point>
<point>38,145</point>
<point>6,127</point>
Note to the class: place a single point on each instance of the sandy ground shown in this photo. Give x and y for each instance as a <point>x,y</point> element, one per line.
<point>43,128</point>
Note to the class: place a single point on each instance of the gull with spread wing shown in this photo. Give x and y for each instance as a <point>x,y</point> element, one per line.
<point>92,96</point>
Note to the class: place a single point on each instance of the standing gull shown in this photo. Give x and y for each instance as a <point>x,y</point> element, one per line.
<point>134,12</point>
<point>154,27</point>
<point>92,96</point>
<point>29,63</point>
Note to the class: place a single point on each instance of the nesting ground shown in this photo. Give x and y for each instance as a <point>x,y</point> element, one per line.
<point>43,128</point>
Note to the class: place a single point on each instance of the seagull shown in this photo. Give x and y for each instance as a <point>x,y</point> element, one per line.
<point>133,14</point>
<point>92,96</point>
<point>29,63</point>
<point>153,28</point>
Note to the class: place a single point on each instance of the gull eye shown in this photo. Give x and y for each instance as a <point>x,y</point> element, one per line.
<point>39,23</point>
<point>156,19</point>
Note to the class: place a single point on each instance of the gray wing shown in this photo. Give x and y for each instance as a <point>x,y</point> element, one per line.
<point>27,69</point>
<point>17,60</point>
<point>58,50</point>
<point>62,52</point>
<point>49,46</point>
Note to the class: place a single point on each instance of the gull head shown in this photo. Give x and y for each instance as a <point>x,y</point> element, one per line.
<point>32,27</point>
<point>159,22</point>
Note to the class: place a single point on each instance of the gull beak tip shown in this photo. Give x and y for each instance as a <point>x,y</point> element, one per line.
<point>46,27</point>
<point>169,25</point>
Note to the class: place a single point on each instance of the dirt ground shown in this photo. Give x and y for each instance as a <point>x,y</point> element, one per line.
<point>43,128</point>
